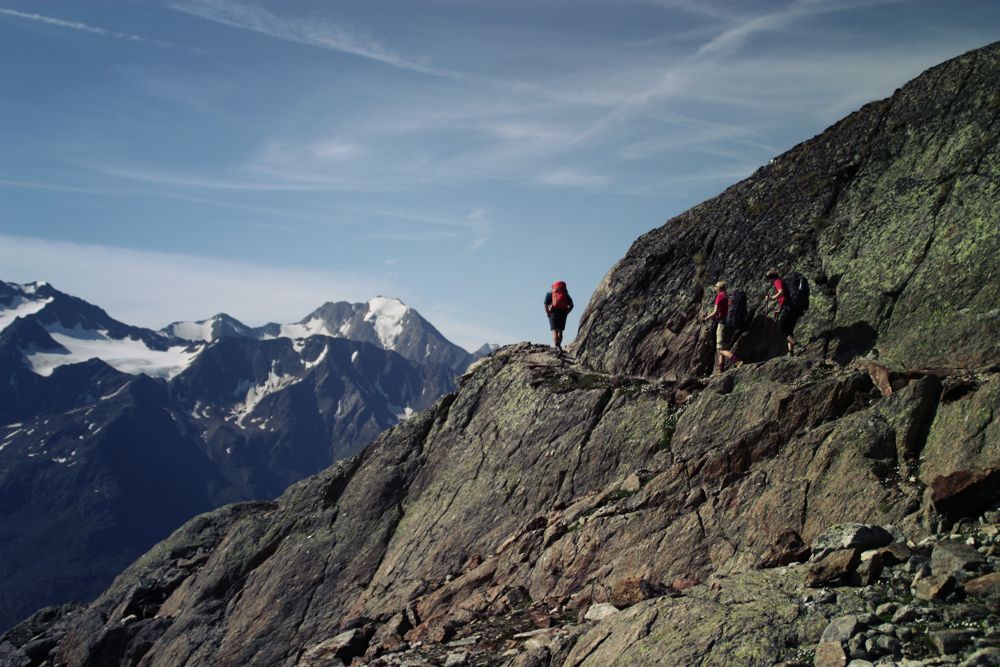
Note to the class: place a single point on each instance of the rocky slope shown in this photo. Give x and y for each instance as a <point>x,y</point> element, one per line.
<point>891,212</point>
<point>544,488</point>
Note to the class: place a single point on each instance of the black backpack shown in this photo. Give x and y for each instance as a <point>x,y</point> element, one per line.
<point>737,316</point>
<point>798,292</point>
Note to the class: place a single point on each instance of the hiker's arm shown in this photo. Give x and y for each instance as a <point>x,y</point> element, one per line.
<point>715,310</point>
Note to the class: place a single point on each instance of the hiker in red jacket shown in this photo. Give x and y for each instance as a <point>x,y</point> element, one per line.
<point>558,303</point>
<point>723,330</point>
<point>784,313</point>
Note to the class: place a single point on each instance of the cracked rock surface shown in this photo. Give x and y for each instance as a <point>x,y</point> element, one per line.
<point>891,213</point>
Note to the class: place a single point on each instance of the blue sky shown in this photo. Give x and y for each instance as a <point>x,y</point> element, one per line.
<point>172,159</point>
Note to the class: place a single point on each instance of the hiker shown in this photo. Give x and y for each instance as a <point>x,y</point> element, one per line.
<point>558,303</point>
<point>785,313</point>
<point>724,331</point>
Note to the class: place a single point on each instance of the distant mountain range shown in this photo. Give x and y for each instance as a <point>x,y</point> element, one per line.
<point>112,435</point>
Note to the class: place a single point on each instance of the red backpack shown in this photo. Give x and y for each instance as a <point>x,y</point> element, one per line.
<point>560,297</point>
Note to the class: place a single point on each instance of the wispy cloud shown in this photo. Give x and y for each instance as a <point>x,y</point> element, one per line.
<point>572,178</point>
<point>154,288</point>
<point>39,185</point>
<point>307,30</point>
<point>735,37</point>
<point>151,289</point>
<point>474,225</point>
<point>260,182</point>
<point>73,25</point>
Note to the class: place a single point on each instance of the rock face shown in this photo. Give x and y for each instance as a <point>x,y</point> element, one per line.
<point>891,214</point>
<point>544,488</point>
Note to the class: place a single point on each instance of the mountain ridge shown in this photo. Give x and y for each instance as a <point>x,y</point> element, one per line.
<point>88,399</point>
<point>548,486</point>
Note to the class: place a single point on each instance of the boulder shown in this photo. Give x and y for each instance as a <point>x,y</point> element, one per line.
<point>788,548</point>
<point>841,629</point>
<point>965,493</point>
<point>850,536</point>
<point>838,566</point>
<point>950,642</point>
<point>342,648</point>
<point>627,592</point>
<point>952,558</point>
<point>601,611</point>
<point>830,654</point>
<point>932,587</point>
<point>986,586</point>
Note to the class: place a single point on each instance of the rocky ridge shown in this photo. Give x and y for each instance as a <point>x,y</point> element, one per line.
<point>546,491</point>
<point>891,213</point>
<point>626,489</point>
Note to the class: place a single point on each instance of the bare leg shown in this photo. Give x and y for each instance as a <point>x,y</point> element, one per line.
<point>558,337</point>
<point>791,344</point>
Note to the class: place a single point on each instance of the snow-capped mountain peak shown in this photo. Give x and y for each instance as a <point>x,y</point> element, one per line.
<point>386,315</point>
<point>208,330</point>
<point>20,301</point>
<point>68,330</point>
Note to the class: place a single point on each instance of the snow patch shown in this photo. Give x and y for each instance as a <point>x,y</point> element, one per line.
<point>257,393</point>
<point>318,360</point>
<point>193,330</point>
<point>21,307</point>
<point>124,354</point>
<point>114,393</point>
<point>314,327</point>
<point>386,316</point>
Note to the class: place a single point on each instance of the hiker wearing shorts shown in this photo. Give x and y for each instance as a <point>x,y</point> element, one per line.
<point>724,333</point>
<point>786,315</point>
<point>558,303</point>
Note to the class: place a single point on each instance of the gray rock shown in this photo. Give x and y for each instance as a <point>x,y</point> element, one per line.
<point>949,558</point>
<point>457,659</point>
<point>886,609</point>
<point>950,642</point>
<point>887,629</point>
<point>850,536</point>
<point>880,645</point>
<point>841,629</point>
<point>983,658</point>
<point>860,663</point>
<point>856,647</point>
<point>906,614</point>
<point>933,587</point>
<point>599,612</point>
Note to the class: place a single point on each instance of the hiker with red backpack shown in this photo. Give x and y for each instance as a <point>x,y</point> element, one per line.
<point>791,296</point>
<point>723,314</point>
<point>558,303</point>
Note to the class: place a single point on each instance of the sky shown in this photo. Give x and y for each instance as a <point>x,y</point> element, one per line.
<point>172,159</point>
